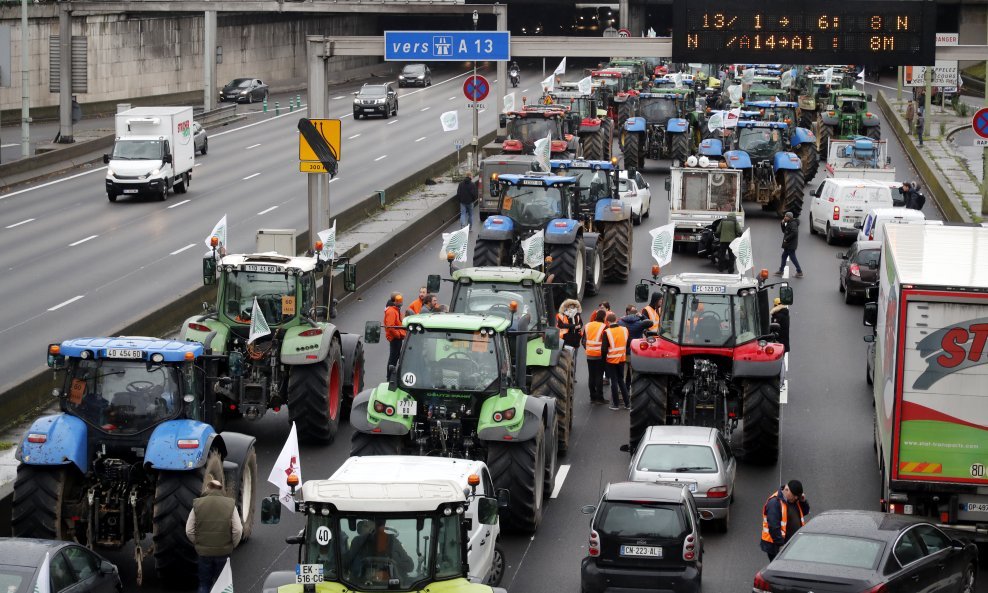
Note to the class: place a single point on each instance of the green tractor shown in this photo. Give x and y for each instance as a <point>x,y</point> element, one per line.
<point>455,393</point>
<point>849,117</point>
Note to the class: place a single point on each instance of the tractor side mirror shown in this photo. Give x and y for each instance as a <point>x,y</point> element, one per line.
<point>551,338</point>
<point>503,498</point>
<point>432,283</point>
<point>870,98</point>
<point>870,314</point>
<point>208,270</point>
<point>668,184</point>
<point>495,188</point>
<point>271,510</point>
<point>372,332</point>
<point>502,121</point>
<point>785,295</point>
<point>487,510</point>
<point>641,293</point>
<point>55,361</point>
<point>350,277</point>
<point>106,159</point>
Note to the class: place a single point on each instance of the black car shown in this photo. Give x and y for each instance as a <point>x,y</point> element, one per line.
<point>244,90</point>
<point>643,536</point>
<point>71,567</point>
<point>870,552</point>
<point>415,75</point>
<point>375,99</point>
<point>859,269</point>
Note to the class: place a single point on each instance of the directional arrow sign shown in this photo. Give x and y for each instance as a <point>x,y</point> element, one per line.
<point>327,155</point>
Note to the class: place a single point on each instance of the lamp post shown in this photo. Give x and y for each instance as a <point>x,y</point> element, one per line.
<point>476,114</point>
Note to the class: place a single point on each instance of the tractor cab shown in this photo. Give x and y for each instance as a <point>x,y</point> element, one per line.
<point>595,180</point>
<point>533,200</point>
<point>712,311</point>
<point>512,293</point>
<point>760,139</point>
<point>535,122</point>
<point>659,107</point>
<point>614,80</point>
<point>783,111</point>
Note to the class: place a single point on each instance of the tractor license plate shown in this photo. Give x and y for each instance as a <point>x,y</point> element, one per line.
<point>130,191</point>
<point>649,551</point>
<point>260,268</point>
<point>124,353</point>
<point>308,574</point>
<point>407,407</point>
<point>706,289</point>
<point>977,507</point>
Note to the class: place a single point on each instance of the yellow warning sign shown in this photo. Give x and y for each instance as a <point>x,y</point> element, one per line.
<point>330,130</point>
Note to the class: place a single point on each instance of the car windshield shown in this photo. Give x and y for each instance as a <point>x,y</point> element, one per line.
<point>491,298</point>
<point>532,206</point>
<point>241,83</point>
<point>460,361</point>
<point>122,396</point>
<point>137,150</point>
<point>641,519</point>
<point>530,129</point>
<point>705,190</point>
<point>658,110</point>
<point>842,550</point>
<point>372,91</point>
<point>274,293</point>
<point>413,70</point>
<point>663,457</point>
<point>710,319</point>
<point>760,143</point>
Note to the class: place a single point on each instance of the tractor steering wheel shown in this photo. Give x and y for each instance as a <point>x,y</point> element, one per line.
<point>466,357</point>
<point>139,386</point>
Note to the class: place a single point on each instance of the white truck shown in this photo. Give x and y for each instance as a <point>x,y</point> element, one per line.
<point>153,153</point>
<point>859,158</point>
<point>930,371</point>
<point>699,196</point>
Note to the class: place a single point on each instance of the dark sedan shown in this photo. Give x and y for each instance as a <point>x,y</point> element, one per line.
<point>415,75</point>
<point>71,567</point>
<point>870,552</point>
<point>859,269</point>
<point>244,90</point>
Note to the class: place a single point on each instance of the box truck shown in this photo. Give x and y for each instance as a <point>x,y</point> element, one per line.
<point>153,153</point>
<point>931,372</point>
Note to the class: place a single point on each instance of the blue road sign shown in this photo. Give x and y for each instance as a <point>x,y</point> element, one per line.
<point>406,46</point>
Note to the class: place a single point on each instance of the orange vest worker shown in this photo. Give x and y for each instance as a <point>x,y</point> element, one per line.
<point>594,332</point>
<point>617,351</point>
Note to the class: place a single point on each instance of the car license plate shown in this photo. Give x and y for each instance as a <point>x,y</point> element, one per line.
<point>853,219</point>
<point>130,191</point>
<point>123,353</point>
<point>368,109</point>
<point>407,407</point>
<point>978,507</point>
<point>690,485</point>
<point>308,574</point>
<point>648,551</point>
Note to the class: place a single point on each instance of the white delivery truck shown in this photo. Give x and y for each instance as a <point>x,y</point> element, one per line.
<point>699,196</point>
<point>152,154</point>
<point>931,369</point>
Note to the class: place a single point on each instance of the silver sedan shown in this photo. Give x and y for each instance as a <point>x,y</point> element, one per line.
<point>199,138</point>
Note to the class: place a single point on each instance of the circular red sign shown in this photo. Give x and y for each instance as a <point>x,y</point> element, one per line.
<point>980,122</point>
<point>476,88</point>
<point>624,33</point>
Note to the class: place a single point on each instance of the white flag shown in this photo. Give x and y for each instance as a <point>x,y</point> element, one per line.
<point>509,103</point>
<point>732,117</point>
<point>288,463</point>
<point>861,75</point>
<point>549,84</point>
<point>328,238</point>
<point>662,241</point>
<point>561,68</point>
<point>450,121</point>
<point>734,93</point>
<point>742,251</point>
<point>786,80</point>
<point>677,79</point>
<point>716,121</point>
<point>651,32</point>
<point>258,324</point>
<point>43,584</point>
<point>219,231</point>
<point>748,76</point>
<point>543,150</point>
<point>534,250</point>
<point>585,86</point>
<point>224,582</point>
<point>828,76</point>
<point>457,242</point>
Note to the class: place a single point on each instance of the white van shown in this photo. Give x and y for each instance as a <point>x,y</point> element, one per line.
<point>873,227</point>
<point>840,204</point>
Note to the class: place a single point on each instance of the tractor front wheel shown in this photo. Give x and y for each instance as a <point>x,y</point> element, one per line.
<point>557,382</point>
<point>649,404</point>
<point>593,146</point>
<point>520,467</point>
<point>595,274</point>
<point>244,491</point>
<point>315,397</point>
<point>679,148</point>
<point>615,241</point>
<point>810,159</point>
<point>760,440</point>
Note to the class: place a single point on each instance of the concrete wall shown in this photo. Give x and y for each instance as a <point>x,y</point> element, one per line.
<point>139,56</point>
<point>973,27</point>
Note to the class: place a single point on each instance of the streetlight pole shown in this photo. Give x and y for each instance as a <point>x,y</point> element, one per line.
<point>476,113</point>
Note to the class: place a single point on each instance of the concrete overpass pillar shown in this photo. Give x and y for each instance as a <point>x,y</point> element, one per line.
<point>209,60</point>
<point>624,10</point>
<point>502,68</point>
<point>65,74</point>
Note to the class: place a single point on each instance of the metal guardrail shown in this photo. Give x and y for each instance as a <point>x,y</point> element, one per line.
<point>220,116</point>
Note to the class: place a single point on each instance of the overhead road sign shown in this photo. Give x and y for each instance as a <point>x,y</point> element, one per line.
<point>476,88</point>
<point>458,46</point>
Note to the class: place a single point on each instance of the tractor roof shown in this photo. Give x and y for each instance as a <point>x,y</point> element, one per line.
<point>675,94</point>
<point>709,283</point>
<point>612,72</point>
<point>383,496</point>
<point>457,322</point>
<point>268,262</point>
<point>564,164</point>
<point>130,348</point>
<point>536,180</point>
<point>499,274</point>
<point>849,93</point>
<point>772,104</point>
<point>762,124</point>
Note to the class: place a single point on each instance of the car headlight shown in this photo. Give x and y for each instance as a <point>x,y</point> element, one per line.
<point>243,92</point>
<point>401,76</point>
<point>380,101</point>
<point>356,101</point>
<point>421,77</point>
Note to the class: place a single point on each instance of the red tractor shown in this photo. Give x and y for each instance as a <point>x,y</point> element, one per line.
<point>617,90</point>
<point>535,122</point>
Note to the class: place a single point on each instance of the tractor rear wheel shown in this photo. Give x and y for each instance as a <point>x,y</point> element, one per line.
<point>520,467</point>
<point>874,132</point>
<point>649,404</point>
<point>41,497</point>
<point>315,397</point>
<point>632,151</point>
<point>625,110</point>
<point>490,253</point>
<point>679,148</point>
<point>615,242</point>
<point>826,133</point>
<point>557,382</point>
<point>353,383</point>
<point>595,276</point>
<point>567,264</point>
<point>607,134</point>
<point>792,192</point>
<point>807,119</point>
<point>810,158</point>
<point>365,445</point>
<point>760,440</point>
<point>593,146</point>
<point>245,492</point>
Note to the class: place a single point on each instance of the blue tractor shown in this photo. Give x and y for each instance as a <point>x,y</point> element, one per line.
<point>772,176</point>
<point>660,128</point>
<point>130,451</point>
<point>603,215</point>
<point>531,203</point>
<point>801,140</point>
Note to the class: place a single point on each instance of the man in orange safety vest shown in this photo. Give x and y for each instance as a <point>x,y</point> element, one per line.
<point>783,514</point>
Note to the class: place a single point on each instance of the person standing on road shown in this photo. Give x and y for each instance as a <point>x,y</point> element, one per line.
<point>615,348</point>
<point>730,229</point>
<point>636,323</point>
<point>783,514</point>
<point>910,115</point>
<point>780,315</point>
<point>570,324</point>
<point>214,528</point>
<point>393,330</point>
<point>416,306</point>
<point>920,123</point>
<point>914,200</point>
<point>790,241</point>
<point>466,194</point>
<point>593,340</point>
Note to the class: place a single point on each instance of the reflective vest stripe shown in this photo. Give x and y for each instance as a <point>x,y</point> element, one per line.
<point>617,337</point>
<point>595,338</point>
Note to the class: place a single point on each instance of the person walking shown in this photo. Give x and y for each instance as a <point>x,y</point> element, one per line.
<point>914,200</point>
<point>911,115</point>
<point>780,316</point>
<point>615,348</point>
<point>920,123</point>
<point>466,194</point>
<point>593,340</point>
<point>730,229</point>
<point>393,330</point>
<point>790,241</point>
<point>782,515</point>
<point>214,528</point>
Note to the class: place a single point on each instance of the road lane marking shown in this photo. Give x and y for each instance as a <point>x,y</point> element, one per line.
<point>21,191</point>
<point>785,272</point>
<point>267,210</point>
<point>424,109</point>
<point>196,165</point>
<point>451,98</point>
<point>251,176</point>
<point>560,478</point>
<point>68,302</point>
<point>383,156</point>
<point>334,179</point>
<point>186,248</point>
<point>8,145</point>
<point>524,90</point>
<point>177,204</point>
<point>354,136</point>
<point>338,98</point>
<point>482,110</point>
<point>394,121</point>
<point>10,226</point>
<point>252,146</point>
<point>422,138</point>
<point>80,241</point>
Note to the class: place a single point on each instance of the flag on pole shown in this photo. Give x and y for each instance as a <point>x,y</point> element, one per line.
<point>742,251</point>
<point>585,86</point>
<point>450,121</point>
<point>328,238</point>
<point>549,84</point>
<point>543,149</point>
<point>677,79</point>
<point>861,76</point>
<point>662,241</point>
<point>224,582</point>
<point>748,76</point>
<point>828,76</point>
<point>734,93</point>
<point>457,242</point>
<point>732,117</point>
<point>509,103</point>
<point>716,121</point>
<point>43,584</point>
<point>258,325</point>
<point>561,68</point>
<point>219,231</point>
<point>651,32</point>
<point>786,80</point>
<point>288,463</point>
<point>534,250</point>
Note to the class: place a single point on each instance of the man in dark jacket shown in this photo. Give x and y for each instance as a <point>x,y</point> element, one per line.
<point>730,229</point>
<point>911,196</point>
<point>780,316</point>
<point>214,528</point>
<point>466,194</point>
<point>790,241</point>
<point>783,514</point>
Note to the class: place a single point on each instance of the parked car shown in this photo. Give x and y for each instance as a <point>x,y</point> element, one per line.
<point>415,75</point>
<point>693,456</point>
<point>244,90</point>
<point>859,269</point>
<point>636,192</point>
<point>870,551</point>
<point>375,99</point>
<point>199,138</point>
<point>643,536</point>
<point>72,568</point>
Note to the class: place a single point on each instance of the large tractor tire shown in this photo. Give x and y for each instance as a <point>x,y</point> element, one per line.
<point>568,266</point>
<point>315,397</point>
<point>365,445</point>
<point>649,404</point>
<point>679,148</point>
<point>826,133</point>
<point>595,276</point>
<point>353,382</point>
<point>41,495</point>
<point>760,440</point>
<point>175,557</point>
<point>625,110</point>
<point>520,467</point>
<point>490,253</point>
<point>632,151</point>
<point>593,146</point>
<point>810,159</point>
<point>874,132</point>
<point>245,492</point>
<point>607,133</point>
<point>792,192</point>
<point>615,243</point>
<point>807,119</point>
<point>557,382</point>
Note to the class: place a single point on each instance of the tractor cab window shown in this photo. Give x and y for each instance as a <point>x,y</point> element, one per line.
<point>593,185</point>
<point>530,129</point>
<point>611,82</point>
<point>533,206</point>
<point>695,191</point>
<point>851,106</point>
<point>723,193</point>
<point>122,397</point>
<point>275,294</point>
<point>381,553</point>
<point>495,299</point>
<point>658,110</point>
<point>461,361</point>
<point>760,143</point>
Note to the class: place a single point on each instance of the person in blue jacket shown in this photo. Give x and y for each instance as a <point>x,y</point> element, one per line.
<point>783,514</point>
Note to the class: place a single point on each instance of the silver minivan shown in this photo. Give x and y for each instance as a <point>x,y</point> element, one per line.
<point>694,456</point>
